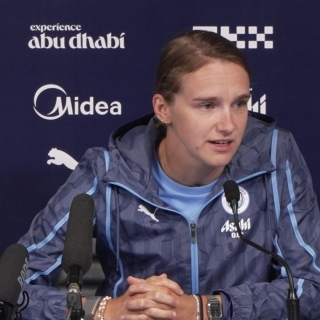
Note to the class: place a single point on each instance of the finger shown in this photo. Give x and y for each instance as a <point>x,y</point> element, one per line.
<point>145,286</point>
<point>135,317</point>
<point>152,278</point>
<point>155,313</point>
<point>156,299</point>
<point>150,314</point>
<point>134,280</point>
<point>166,282</point>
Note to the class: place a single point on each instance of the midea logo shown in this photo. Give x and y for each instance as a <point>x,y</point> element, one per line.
<point>73,107</point>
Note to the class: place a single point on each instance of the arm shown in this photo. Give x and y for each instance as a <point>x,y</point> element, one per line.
<point>154,298</point>
<point>45,241</point>
<point>297,239</point>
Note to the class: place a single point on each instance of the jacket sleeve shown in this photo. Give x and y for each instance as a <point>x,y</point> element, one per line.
<point>297,240</point>
<point>45,240</point>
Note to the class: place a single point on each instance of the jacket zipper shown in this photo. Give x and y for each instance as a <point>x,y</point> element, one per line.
<point>194,258</point>
<point>193,232</point>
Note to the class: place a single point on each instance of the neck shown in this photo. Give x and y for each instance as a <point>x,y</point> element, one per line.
<point>184,174</point>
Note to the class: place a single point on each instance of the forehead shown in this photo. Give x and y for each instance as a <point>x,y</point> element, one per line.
<point>216,76</point>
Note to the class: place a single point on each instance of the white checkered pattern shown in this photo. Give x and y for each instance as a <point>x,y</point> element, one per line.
<point>241,43</point>
<point>253,44</point>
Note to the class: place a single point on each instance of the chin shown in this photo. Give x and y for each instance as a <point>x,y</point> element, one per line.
<point>218,164</point>
<point>221,161</point>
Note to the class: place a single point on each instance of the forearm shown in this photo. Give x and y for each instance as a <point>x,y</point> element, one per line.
<point>157,298</point>
<point>44,303</point>
<point>114,309</point>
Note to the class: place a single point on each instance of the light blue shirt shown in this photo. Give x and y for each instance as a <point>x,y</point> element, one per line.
<point>189,201</point>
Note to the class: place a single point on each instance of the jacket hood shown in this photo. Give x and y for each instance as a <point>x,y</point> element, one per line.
<point>131,149</point>
<point>253,155</point>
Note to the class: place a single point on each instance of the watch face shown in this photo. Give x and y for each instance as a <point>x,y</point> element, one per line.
<point>214,308</point>
<point>215,311</point>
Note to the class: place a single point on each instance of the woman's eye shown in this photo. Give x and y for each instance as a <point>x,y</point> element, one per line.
<point>241,104</point>
<point>207,106</point>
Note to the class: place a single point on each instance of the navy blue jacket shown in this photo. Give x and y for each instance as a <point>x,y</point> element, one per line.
<point>140,235</point>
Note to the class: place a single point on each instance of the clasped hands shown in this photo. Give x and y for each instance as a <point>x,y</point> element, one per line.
<point>154,298</point>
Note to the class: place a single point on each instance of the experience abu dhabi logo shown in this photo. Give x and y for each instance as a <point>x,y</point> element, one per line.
<point>251,37</point>
<point>71,106</point>
<point>49,39</point>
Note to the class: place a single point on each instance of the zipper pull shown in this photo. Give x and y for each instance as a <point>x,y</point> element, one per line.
<point>193,232</point>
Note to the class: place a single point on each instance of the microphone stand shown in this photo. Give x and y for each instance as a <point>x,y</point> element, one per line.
<point>6,311</point>
<point>74,300</point>
<point>293,302</point>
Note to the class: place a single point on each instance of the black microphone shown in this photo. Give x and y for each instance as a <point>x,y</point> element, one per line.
<point>13,269</point>
<point>77,252</point>
<point>232,194</point>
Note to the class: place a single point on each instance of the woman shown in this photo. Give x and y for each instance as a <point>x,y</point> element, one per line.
<point>165,233</point>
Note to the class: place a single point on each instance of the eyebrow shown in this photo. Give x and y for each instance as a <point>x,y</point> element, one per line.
<point>242,96</point>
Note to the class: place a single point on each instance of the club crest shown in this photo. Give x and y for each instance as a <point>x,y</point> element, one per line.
<point>243,203</point>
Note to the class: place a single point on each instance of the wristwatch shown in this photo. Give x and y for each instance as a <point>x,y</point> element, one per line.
<point>214,309</point>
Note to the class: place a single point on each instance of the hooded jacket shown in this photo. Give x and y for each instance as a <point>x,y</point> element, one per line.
<point>140,235</point>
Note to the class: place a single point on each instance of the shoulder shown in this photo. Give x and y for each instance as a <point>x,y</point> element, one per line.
<point>96,157</point>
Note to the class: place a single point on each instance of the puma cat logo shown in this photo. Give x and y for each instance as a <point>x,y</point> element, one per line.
<point>143,209</point>
<point>60,157</point>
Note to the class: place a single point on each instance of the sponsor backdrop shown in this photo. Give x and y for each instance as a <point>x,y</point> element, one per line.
<point>73,71</point>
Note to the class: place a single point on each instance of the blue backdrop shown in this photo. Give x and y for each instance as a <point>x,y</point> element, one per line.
<point>71,72</point>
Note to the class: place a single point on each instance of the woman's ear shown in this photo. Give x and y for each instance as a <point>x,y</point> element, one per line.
<point>161,108</point>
